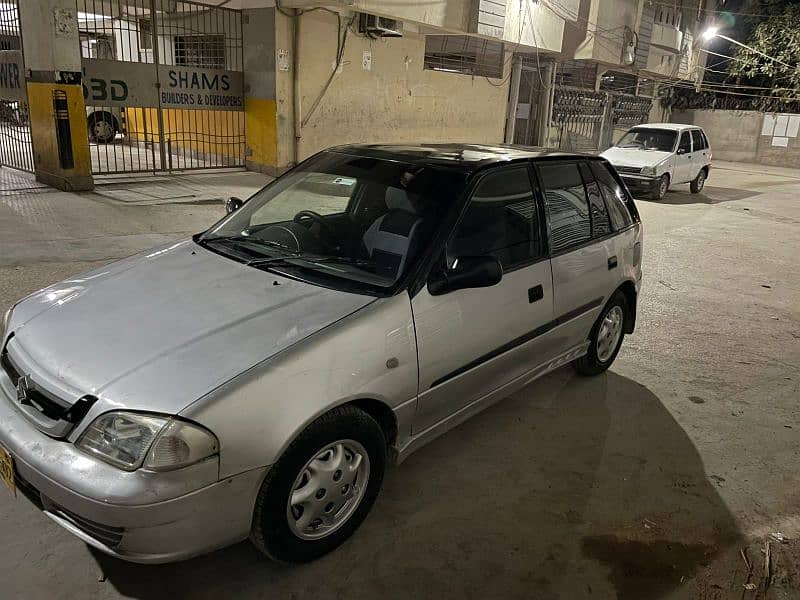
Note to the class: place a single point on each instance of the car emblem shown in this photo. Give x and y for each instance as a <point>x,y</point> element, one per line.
<point>23,389</point>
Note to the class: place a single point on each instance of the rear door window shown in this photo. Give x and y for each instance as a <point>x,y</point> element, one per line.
<point>567,205</point>
<point>614,196</point>
<point>697,139</point>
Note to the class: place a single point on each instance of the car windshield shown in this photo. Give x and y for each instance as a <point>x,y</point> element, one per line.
<point>641,138</point>
<point>349,222</point>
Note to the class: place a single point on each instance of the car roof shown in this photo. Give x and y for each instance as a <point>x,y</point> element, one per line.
<point>670,126</point>
<point>465,157</point>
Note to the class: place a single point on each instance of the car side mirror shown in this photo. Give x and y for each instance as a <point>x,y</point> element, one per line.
<point>233,204</point>
<point>467,272</point>
<point>681,151</point>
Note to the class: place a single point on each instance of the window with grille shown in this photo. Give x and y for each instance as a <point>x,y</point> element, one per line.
<point>668,16</point>
<point>206,51</point>
<point>464,54</point>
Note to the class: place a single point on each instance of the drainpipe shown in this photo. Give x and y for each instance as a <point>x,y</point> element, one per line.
<point>296,85</point>
<point>545,131</point>
<point>513,99</point>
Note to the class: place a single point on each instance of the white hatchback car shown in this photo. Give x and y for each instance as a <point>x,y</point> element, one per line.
<point>653,156</point>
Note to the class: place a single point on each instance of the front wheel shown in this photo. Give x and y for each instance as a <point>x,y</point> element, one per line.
<point>605,338</point>
<point>661,188</point>
<point>322,488</point>
<point>698,182</point>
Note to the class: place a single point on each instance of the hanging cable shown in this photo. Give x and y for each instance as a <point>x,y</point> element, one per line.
<point>341,46</point>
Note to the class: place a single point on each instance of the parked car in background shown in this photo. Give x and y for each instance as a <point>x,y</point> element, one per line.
<point>104,123</point>
<point>652,157</point>
<point>254,380</point>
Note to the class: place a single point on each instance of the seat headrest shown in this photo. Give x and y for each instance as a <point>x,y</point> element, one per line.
<point>398,199</point>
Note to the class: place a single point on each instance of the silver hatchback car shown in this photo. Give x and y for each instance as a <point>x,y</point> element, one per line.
<point>255,380</point>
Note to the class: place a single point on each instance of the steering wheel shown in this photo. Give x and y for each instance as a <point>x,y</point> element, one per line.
<point>329,235</point>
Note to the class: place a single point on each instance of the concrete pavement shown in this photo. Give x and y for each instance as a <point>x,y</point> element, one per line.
<point>642,483</point>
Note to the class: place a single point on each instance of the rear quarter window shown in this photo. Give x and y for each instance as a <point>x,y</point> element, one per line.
<point>614,195</point>
<point>567,205</point>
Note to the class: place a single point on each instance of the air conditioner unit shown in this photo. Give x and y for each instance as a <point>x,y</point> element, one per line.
<point>375,26</point>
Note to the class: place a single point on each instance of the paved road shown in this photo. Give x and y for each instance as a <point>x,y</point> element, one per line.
<point>641,483</point>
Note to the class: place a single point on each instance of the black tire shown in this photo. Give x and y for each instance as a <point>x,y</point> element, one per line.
<point>270,532</point>
<point>661,189</point>
<point>698,182</point>
<point>103,127</point>
<point>590,364</point>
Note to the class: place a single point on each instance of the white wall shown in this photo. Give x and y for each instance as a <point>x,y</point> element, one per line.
<point>453,15</point>
<point>603,28</point>
<point>531,23</point>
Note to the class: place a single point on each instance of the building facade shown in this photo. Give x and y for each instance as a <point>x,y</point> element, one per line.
<point>164,85</point>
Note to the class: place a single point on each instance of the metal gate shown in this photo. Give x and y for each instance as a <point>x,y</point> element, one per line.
<point>16,149</point>
<point>163,85</point>
<point>578,117</point>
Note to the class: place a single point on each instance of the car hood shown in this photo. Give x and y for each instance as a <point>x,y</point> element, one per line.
<point>159,330</point>
<point>631,157</point>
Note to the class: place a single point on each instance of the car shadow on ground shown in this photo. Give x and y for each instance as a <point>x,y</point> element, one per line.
<point>572,487</point>
<point>709,195</point>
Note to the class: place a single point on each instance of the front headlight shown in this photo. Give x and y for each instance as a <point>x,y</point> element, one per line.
<point>649,171</point>
<point>5,323</point>
<point>160,443</point>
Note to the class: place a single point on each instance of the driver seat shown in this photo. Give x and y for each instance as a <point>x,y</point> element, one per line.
<point>393,239</point>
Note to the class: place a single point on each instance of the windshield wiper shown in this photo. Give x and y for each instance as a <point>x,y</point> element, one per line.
<point>243,239</point>
<point>309,258</point>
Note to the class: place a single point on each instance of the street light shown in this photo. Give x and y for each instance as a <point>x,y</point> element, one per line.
<point>710,33</point>
<point>713,32</point>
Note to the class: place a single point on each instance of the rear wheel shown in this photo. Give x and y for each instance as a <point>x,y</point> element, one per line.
<point>697,184</point>
<point>605,338</point>
<point>322,488</point>
<point>661,189</point>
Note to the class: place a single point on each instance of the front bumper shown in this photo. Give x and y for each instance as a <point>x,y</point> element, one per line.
<point>641,183</point>
<point>167,519</point>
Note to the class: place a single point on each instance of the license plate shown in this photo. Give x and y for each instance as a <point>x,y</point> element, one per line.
<point>7,470</point>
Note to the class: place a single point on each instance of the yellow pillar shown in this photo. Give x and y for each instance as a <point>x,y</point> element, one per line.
<point>67,167</point>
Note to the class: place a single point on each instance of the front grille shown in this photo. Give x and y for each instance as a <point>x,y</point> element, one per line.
<point>63,417</point>
<point>629,170</point>
<point>105,534</point>
<point>52,410</point>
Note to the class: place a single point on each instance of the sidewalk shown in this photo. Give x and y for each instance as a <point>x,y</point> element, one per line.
<point>40,225</point>
<point>191,188</point>
<point>724,165</point>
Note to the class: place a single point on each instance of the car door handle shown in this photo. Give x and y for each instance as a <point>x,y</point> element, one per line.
<point>612,263</point>
<point>535,294</point>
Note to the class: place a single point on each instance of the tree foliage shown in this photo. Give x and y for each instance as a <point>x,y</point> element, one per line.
<point>778,36</point>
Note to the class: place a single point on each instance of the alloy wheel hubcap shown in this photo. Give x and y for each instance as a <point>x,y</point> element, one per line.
<point>328,490</point>
<point>663,189</point>
<point>701,180</point>
<point>609,334</point>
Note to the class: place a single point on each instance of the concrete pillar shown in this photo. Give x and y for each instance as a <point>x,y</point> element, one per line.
<point>258,32</point>
<point>57,112</point>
